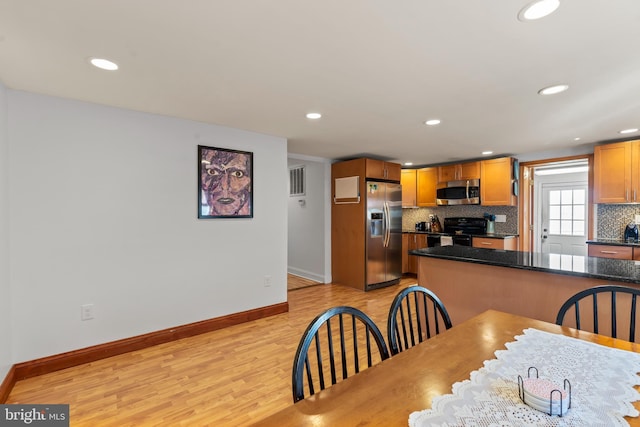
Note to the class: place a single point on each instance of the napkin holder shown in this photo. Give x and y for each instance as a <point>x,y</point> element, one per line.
<point>556,393</point>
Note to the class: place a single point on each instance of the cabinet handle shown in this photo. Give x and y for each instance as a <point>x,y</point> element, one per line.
<point>486,243</point>
<point>609,252</point>
<point>626,194</point>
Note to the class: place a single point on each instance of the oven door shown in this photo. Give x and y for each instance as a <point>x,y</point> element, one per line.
<point>461,239</point>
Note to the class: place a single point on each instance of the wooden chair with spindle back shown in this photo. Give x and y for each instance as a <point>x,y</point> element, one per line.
<point>340,340</point>
<point>602,310</point>
<point>416,314</point>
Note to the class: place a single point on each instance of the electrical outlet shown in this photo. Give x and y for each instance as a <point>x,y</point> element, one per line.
<point>267,281</point>
<point>86,312</point>
<point>637,220</point>
<point>501,218</point>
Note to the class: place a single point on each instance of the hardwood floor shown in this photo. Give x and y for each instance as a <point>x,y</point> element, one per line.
<point>229,377</point>
<point>297,282</point>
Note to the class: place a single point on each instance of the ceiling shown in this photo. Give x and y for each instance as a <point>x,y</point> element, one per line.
<point>375,69</point>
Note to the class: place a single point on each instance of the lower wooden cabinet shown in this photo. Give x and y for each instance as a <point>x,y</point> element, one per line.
<point>411,241</point>
<point>405,252</point>
<point>614,251</point>
<point>505,243</point>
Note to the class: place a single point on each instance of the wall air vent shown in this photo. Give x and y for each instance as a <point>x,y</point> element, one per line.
<point>296,181</point>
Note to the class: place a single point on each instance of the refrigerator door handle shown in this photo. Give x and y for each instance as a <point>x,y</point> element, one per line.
<point>384,210</point>
<point>387,231</point>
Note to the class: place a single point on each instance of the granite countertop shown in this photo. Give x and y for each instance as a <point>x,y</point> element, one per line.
<point>612,242</point>
<point>574,265</point>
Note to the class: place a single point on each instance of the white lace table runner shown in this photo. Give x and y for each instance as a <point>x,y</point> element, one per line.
<point>602,380</point>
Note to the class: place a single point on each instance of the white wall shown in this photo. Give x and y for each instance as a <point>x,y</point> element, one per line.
<point>309,252</point>
<point>103,211</point>
<point>5,291</point>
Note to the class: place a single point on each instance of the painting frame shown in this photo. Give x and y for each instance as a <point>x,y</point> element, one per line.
<point>225,183</point>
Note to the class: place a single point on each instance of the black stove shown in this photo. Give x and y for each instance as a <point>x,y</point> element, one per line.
<point>461,229</point>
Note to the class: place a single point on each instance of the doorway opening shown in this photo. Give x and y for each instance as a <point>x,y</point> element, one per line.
<point>561,212</point>
<point>556,204</point>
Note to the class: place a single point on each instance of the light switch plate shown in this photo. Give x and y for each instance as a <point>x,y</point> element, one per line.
<point>503,218</point>
<point>637,220</point>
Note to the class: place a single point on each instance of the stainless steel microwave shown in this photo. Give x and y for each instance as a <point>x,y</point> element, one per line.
<point>466,192</point>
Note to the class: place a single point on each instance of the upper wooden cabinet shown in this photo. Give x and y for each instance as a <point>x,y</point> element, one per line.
<point>460,171</point>
<point>367,168</point>
<point>419,187</point>
<point>497,182</point>
<point>379,169</point>
<point>616,172</point>
<point>408,181</point>
<point>427,182</point>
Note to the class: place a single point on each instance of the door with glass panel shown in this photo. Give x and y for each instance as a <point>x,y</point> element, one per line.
<point>563,218</point>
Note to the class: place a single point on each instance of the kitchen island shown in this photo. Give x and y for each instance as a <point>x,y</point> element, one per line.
<point>472,280</point>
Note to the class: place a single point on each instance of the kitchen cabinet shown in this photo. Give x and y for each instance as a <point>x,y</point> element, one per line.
<point>405,252</point>
<point>459,171</point>
<point>349,238</point>
<point>378,169</point>
<point>612,251</point>
<point>426,186</point>
<point>616,172</point>
<point>505,243</point>
<point>409,191</point>
<point>497,183</point>
<point>411,241</point>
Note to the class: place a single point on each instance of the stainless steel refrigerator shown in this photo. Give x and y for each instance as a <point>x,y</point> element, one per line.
<point>384,234</point>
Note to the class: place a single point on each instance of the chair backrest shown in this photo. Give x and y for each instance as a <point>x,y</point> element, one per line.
<point>337,340</point>
<point>603,310</point>
<point>415,314</point>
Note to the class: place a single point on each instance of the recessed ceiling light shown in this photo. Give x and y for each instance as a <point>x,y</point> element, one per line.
<point>313,116</point>
<point>104,64</point>
<point>552,90</point>
<point>432,122</point>
<point>408,164</point>
<point>486,153</point>
<point>577,138</point>
<point>632,130</point>
<point>538,9</point>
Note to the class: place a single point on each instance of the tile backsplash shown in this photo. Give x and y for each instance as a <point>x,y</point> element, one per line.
<point>611,220</point>
<point>411,215</point>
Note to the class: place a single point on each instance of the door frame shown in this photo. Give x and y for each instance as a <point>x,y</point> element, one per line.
<point>526,201</point>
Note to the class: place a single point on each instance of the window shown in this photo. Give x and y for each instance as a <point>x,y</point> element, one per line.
<point>567,210</point>
<point>296,181</point>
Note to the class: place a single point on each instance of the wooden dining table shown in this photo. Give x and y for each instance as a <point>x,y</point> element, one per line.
<point>385,394</point>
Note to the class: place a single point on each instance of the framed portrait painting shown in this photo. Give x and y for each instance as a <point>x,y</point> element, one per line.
<point>225,183</point>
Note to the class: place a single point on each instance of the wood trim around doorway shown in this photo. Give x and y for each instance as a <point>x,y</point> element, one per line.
<point>526,204</point>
